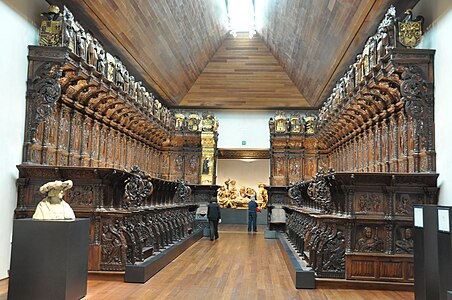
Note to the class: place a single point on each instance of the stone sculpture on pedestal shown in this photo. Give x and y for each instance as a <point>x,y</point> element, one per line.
<point>53,207</point>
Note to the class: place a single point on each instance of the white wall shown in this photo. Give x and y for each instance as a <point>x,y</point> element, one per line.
<point>438,19</point>
<point>248,173</point>
<point>17,31</point>
<point>237,126</point>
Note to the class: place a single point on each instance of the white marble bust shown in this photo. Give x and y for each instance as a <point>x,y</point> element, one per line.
<point>53,207</point>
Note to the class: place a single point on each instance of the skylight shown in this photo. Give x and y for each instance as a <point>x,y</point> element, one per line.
<point>241,16</point>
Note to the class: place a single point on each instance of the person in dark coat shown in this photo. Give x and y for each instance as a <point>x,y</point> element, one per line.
<point>214,216</point>
<point>252,214</point>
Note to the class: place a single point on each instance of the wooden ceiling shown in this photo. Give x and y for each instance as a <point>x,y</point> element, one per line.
<point>172,47</point>
<point>243,73</point>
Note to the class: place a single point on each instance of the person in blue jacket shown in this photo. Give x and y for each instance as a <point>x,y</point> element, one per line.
<point>252,214</point>
<point>214,216</point>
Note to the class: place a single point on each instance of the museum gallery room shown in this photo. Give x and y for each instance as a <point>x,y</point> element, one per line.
<point>226,149</point>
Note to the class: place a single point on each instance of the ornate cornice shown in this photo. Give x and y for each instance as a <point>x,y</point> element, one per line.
<point>243,153</point>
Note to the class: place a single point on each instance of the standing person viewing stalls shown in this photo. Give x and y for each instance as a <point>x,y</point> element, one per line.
<point>214,216</point>
<point>252,214</point>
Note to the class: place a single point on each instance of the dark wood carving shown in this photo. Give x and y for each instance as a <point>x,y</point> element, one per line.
<point>138,188</point>
<point>369,223</point>
<point>129,221</point>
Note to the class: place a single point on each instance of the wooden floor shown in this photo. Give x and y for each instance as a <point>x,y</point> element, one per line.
<point>239,265</point>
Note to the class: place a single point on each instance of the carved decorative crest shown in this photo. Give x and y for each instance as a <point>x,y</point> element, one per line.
<point>319,191</point>
<point>138,188</point>
<point>45,92</point>
<point>295,192</point>
<point>183,191</point>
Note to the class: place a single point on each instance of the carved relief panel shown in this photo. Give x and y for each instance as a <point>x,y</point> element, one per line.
<point>369,203</point>
<point>369,239</point>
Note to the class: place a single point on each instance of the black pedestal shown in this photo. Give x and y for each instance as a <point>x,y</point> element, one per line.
<point>445,254</point>
<point>49,259</point>
<point>426,269</point>
<point>240,216</point>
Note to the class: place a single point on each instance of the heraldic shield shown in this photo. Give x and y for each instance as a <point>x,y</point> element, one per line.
<point>410,31</point>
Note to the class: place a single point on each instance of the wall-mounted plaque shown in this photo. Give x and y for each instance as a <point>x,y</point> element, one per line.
<point>418,217</point>
<point>443,219</point>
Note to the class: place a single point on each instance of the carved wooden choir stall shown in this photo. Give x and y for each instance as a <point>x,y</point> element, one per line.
<point>357,170</point>
<point>90,121</point>
<point>347,175</point>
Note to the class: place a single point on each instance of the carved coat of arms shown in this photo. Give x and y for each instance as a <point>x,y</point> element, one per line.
<point>410,30</point>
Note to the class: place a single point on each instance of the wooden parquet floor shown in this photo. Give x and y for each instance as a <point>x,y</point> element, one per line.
<point>239,265</point>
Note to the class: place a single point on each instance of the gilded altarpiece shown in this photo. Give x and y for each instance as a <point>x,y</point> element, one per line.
<point>294,152</point>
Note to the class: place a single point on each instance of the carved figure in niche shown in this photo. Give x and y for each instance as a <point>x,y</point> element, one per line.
<point>51,27</point>
<point>192,163</point>
<point>349,81</point>
<point>271,125</point>
<point>372,52</point>
<point>294,167</point>
<point>403,205</point>
<point>111,245</point>
<point>119,79</point>
<point>406,244</point>
<point>101,67</point>
<point>178,162</point>
<point>206,165</point>
<point>91,54</point>
<point>369,243</point>
<point>278,166</point>
<point>131,85</point>
<point>142,95</point>
<point>334,258</point>
<point>111,67</point>
<point>368,203</point>
<point>383,42</point>
<point>53,207</point>
<point>358,70</point>
<point>365,59</point>
<point>81,42</point>
<point>126,78</point>
<point>68,31</point>
<point>262,196</point>
<point>158,111</point>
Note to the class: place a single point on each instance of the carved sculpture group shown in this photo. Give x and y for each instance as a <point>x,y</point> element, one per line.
<point>229,196</point>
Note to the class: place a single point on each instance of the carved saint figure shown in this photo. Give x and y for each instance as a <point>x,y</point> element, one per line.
<point>111,245</point>
<point>262,196</point>
<point>53,207</point>
<point>406,244</point>
<point>206,165</point>
<point>369,243</point>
